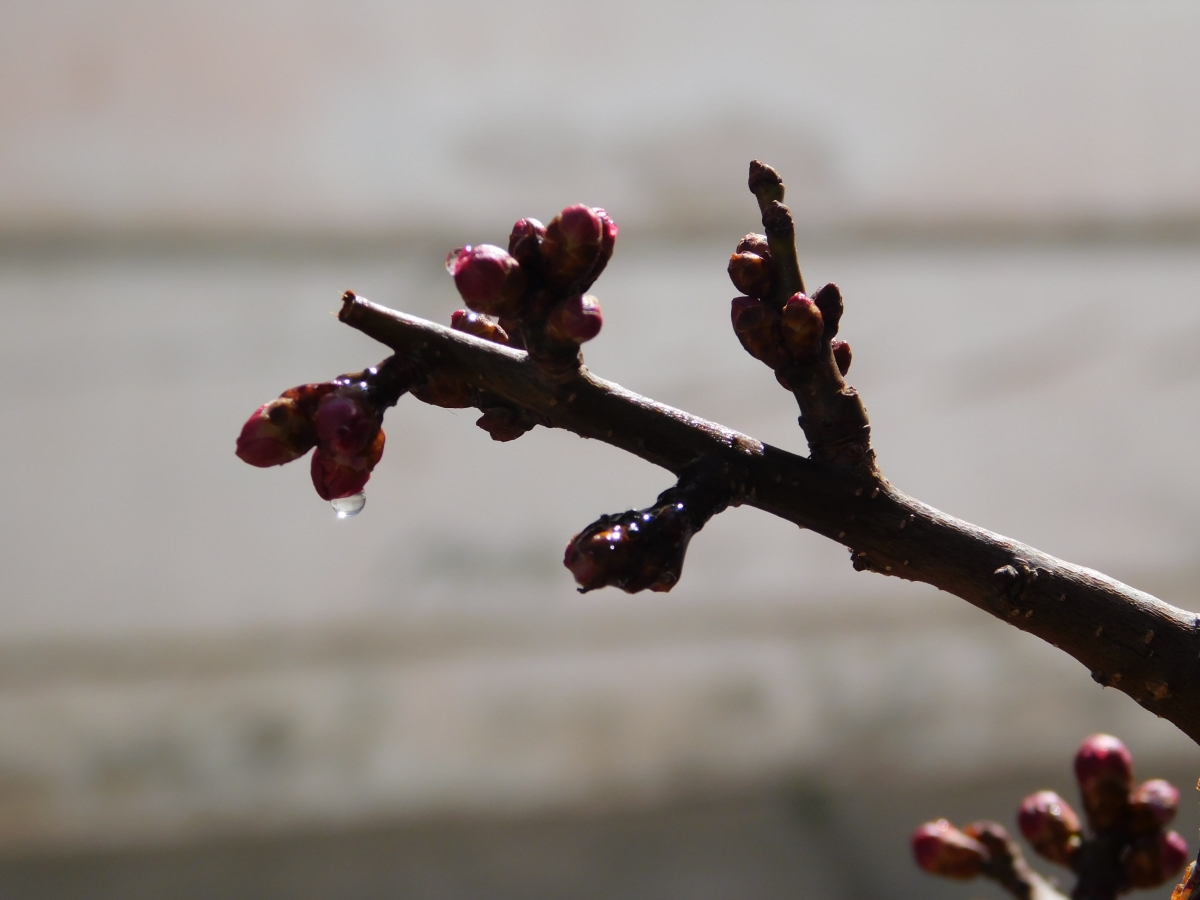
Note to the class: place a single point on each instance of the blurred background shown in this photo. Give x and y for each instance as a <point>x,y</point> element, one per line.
<point>209,687</point>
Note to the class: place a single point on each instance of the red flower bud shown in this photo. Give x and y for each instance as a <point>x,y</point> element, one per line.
<point>334,478</point>
<point>346,423</point>
<point>1104,770</point>
<point>1152,806</point>
<point>634,551</point>
<point>575,320</point>
<point>277,433</point>
<point>502,423</point>
<point>525,241</point>
<point>829,302</point>
<point>479,325</point>
<point>750,274</point>
<point>757,327</point>
<point>802,327</point>
<point>1155,859</point>
<point>576,247</point>
<point>941,849</point>
<point>489,280</point>
<point>841,355</point>
<point>1050,826</point>
<point>756,244</point>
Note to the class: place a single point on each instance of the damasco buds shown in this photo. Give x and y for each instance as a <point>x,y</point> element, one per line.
<point>829,302</point>
<point>634,551</point>
<point>801,327</point>
<point>841,355</point>
<point>1104,770</point>
<point>488,278</point>
<point>1155,859</point>
<point>277,433</point>
<point>525,242</point>
<point>749,270</point>
<point>1050,825</point>
<point>335,477</point>
<point>479,325</point>
<point>941,849</point>
<point>502,423</point>
<point>1152,806</point>
<point>574,320</point>
<point>757,327</point>
<point>576,247</point>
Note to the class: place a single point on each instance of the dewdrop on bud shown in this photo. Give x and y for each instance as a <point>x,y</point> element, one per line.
<point>575,320</point>
<point>277,433</point>
<point>488,278</point>
<point>829,302</point>
<point>1104,770</point>
<point>1050,826</point>
<point>335,478</point>
<point>750,274</point>
<point>941,849</point>
<point>841,355</point>
<point>525,241</point>
<point>478,325</point>
<point>802,327</point>
<point>1155,859</point>
<point>757,327</point>
<point>1152,806</point>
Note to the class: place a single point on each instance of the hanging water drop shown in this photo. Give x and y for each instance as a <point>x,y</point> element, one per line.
<point>349,507</point>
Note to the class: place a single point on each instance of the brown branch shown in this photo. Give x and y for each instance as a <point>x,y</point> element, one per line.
<point>1128,640</point>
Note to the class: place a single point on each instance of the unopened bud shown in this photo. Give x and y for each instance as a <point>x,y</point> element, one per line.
<point>941,849</point>
<point>1152,805</point>
<point>841,355</point>
<point>479,325</point>
<point>634,551</point>
<point>756,244</point>
<point>801,327</point>
<point>334,478</point>
<point>1155,859</point>
<point>751,274</point>
<point>829,302</point>
<point>502,423</point>
<point>575,320</point>
<point>576,247</point>
<point>525,242</point>
<point>445,391</point>
<point>1050,825</point>
<point>277,433</point>
<point>757,327</point>
<point>346,423</point>
<point>1104,770</point>
<point>488,278</point>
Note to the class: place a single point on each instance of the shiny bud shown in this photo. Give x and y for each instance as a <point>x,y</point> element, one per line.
<point>277,433</point>
<point>1152,805</point>
<point>802,327</point>
<point>576,247</point>
<point>346,423</point>
<point>1051,826</point>
<point>334,478</point>
<point>751,274</point>
<point>757,327</point>
<point>525,241</point>
<point>829,302</point>
<point>841,355</point>
<point>941,849</point>
<point>1155,859</point>
<point>1104,770</point>
<point>575,320</point>
<point>634,551</point>
<point>502,423</point>
<point>488,278</point>
<point>478,325</point>
<point>442,390</point>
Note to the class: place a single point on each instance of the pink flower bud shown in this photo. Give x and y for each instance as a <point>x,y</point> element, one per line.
<point>575,320</point>
<point>277,433</point>
<point>829,302</point>
<point>757,327</point>
<point>489,280</point>
<point>346,423</point>
<point>1051,826</point>
<point>479,325</point>
<point>577,245</point>
<point>1155,859</point>
<point>841,355</point>
<point>525,242</point>
<point>502,423</point>
<point>1152,805</point>
<point>334,478</point>
<point>941,849</point>
<point>801,327</point>
<point>750,274</point>
<point>1104,770</point>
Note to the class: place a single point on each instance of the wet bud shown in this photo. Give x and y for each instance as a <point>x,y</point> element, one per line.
<point>1050,825</point>
<point>756,244</point>
<point>334,478</point>
<point>441,390</point>
<point>1187,889</point>
<point>277,433</point>
<point>635,550</point>
<point>525,242</point>
<point>1104,770</point>
<point>575,320</point>
<point>489,280</point>
<point>502,423</point>
<point>841,355</point>
<point>1155,859</point>
<point>751,274</point>
<point>941,849</point>
<point>829,302</point>
<point>479,325</point>
<point>576,247</point>
<point>757,327</point>
<point>1152,806</point>
<point>346,423</point>
<point>802,327</point>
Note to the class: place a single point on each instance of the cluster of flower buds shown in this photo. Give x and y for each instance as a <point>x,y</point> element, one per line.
<point>342,419</point>
<point>1127,824</point>
<point>645,548</point>
<point>533,295</point>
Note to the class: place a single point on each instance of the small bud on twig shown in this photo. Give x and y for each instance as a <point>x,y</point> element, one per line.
<point>757,326</point>
<point>841,355</point>
<point>481,326</point>
<point>941,849</point>
<point>1051,826</point>
<point>1104,770</point>
<point>525,242</point>
<point>1152,805</point>
<point>489,279</point>
<point>802,327</point>
<point>575,319</point>
<point>829,302</point>
<point>1155,859</point>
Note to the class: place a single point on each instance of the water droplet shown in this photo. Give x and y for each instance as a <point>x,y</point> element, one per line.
<point>349,507</point>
